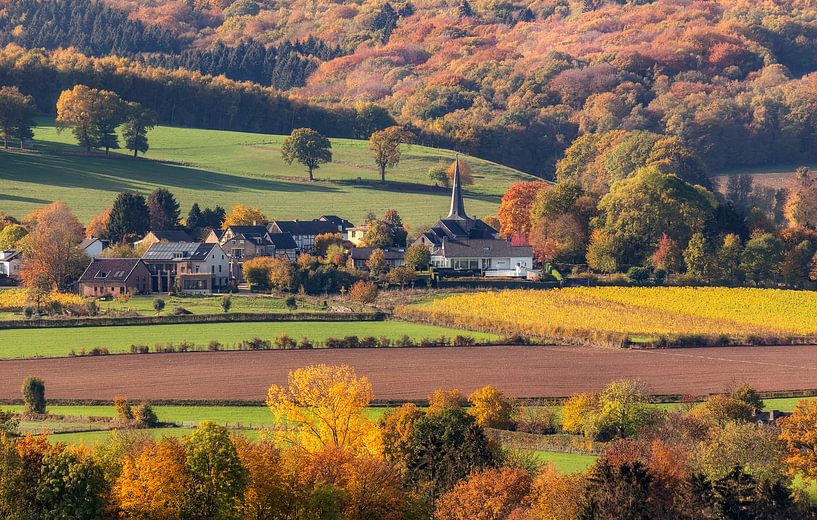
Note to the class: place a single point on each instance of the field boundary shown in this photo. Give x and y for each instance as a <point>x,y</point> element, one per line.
<point>190,318</point>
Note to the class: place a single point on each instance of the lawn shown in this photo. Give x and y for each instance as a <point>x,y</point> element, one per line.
<point>26,343</point>
<point>224,168</point>
<point>565,462</point>
<point>631,312</point>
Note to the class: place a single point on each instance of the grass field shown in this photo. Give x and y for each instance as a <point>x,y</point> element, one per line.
<point>216,167</point>
<point>635,312</point>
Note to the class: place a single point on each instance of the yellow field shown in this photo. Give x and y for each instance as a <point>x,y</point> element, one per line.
<point>16,299</point>
<point>630,312</point>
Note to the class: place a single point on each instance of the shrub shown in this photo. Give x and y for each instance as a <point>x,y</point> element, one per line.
<point>660,276</point>
<point>257,344</point>
<point>305,344</point>
<point>54,308</point>
<point>638,275</point>
<point>351,342</point>
<point>463,341</point>
<point>34,395</point>
<point>144,415</point>
<point>28,312</point>
<point>122,408</point>
<point>185,346</point>
<point>535,419</point>
<point>368,342</point>
<point>441,400</point>
<point>292,303</point>
<point>214,346</point>
<point>384,342</point>
<point>283,341</point>
<point>179,311</point>
<point>91,307</point>
<point>491,408</point>
<point>99,351</point>
<point>158,305</point>
<point>363,292</point>
<point>226,303</point>
<point>139,349</point>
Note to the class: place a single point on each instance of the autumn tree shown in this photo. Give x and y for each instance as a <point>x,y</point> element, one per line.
<point>385,147</point>
<point>667,255</point>
<point>515,209</point>
<point>324,240</point>
<point>307,147</point>
<point>241,215</point>
<point>33,395</point>
<point>324,407</point>
<point>755,448</point>
<point>489,494</point>
<point>378,234</point>
<point>138,122</point>
<point>417,256</point>
<point>377,262</point>
<point>51,250</point>
<point>16,115</point>
<point>700,258</point>
<point>491,408</point>
<point>363,292</point>
<point>442,399</point>
<point>264,273</point>
<point>93,116</point>
<point>154,482</point>
<point>556,495</point>
<point>466,173</point>
<point>798,434</point>
<point>11,235</point>
<point>801,206</point>
<point>396,427</point>
<point>216,477</point>
<point>129,217</point>
<point>163,210</point>
<point>761,257</point>
<point>98,225</point>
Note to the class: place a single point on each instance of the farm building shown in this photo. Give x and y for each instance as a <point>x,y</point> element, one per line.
<point>242,243</point>
<point>114,277</point>
<point>190,267</point>
<point>305,231</point>
<point>462,243</point>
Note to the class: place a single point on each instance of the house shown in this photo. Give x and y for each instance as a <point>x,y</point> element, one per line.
<point>768,417</point>
<point>392,255</point>
<point>92,247</point>
<point>190,267</point>
<point>10,261</point>
<point>342,223</point>
<point>114,277</point>
<point>304,231</point>
<point>461,243</point>
<point>154,237</point>
<point>242,243</point>
<point>356,234</point>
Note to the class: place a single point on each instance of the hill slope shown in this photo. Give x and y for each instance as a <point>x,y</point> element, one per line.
<point>216,167</point>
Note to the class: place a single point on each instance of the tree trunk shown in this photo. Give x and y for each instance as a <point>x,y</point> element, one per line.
<point>383,174</point>
<point>135,153</point>
<point>310,175</point>
<point>6,143</point>
<point>107,149</point>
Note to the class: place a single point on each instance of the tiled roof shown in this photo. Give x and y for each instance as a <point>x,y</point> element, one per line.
<point>173,235</point>
<point>109,269</point>
<point>303,227</point>
<point>283,241</point>
<point>483,248</point>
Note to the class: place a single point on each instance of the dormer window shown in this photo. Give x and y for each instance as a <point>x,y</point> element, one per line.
<point>101,274</point>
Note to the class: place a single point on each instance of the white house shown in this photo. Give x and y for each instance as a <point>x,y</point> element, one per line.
<point>92,247</point>
<point>462,243</point>
<point>10,261</point>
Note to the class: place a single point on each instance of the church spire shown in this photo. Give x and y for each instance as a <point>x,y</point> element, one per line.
<point>457,203</point>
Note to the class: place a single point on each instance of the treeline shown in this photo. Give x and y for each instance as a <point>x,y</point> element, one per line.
<point>180,97</point>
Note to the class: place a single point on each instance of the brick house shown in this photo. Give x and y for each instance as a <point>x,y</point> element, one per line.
<point>190,267</point>
<point>114,277</point>
<point>242,243</point>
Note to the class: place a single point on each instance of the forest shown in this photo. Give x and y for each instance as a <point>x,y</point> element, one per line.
<point>511,81</point>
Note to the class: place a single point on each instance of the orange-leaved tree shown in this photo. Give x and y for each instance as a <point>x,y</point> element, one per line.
<point>799,435</point>
<point>514,210</point>
<point>490,493</point>
<point>51,250</point>
<point>323,408</point>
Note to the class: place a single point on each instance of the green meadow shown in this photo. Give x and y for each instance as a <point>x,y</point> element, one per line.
<point>224,168</point>
<point>59,342</point>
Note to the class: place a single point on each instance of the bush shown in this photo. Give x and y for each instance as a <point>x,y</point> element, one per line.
<point>123,409</point>
<point>660,276</point>
<point>91,307</point>
<point>363,292</point>
<point>535,419</point>
<point>34,395</point>
<point>638,275</point>
<point>214,346</point>
<point>28,312</point>
<point>226,303</point>
<point>144,416</point>
<point>139,349</point>
<point>283,341</point>
<point>158,305</point>
<point>291,303</point>
<point>441,400</point>
<point>368,342</point>
<point>180,311</point>
<point>305,344</point>
<point>54,308</point>
<point>463,341</point>
<point>256,344</point>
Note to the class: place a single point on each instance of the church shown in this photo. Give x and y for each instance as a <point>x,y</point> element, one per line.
<point>462,243</point>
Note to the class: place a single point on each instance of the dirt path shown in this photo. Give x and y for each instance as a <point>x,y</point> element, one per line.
<point>412,373</point>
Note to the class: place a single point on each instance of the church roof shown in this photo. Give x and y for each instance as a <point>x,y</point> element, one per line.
<point>457,203</point>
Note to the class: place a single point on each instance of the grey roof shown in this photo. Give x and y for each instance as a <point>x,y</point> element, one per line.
<point>458,229</point>
<point>248,230</point>
<point>87,242</point>
<point>389,253</point>
<point>457,204</point>
<point>176,251</point>
<point>283,241</point>
<point>334,219</point>
<point>173,235</point>
<point>303,227</point>
<point>109,269</point>
<point>483,248</point>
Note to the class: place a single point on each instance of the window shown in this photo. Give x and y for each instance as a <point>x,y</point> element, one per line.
<point>219,268</point>
<point>101,274</point>
<point>486,263</point>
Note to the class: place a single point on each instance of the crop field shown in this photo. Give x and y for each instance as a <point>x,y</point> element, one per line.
<point>224,168</point>
<point>399,374</point>
<point>57,342</point>
<point>635,313</point>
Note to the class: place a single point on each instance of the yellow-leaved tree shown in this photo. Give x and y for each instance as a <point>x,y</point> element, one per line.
<point>322,406</point>
<point>241,215</point>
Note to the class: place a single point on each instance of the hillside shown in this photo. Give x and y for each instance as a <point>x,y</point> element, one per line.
<point>225,168</point>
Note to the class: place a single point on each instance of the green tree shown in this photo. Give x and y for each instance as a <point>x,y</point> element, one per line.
<point>163,210</point>
<point>417,256</point>
<point>138,122</point>
<point>226,303</point>
<point>761,257</point>
<point>16,115</point>
<point>217,478</point>
<point>729,255</point>
<point>700,258</point>
<point>34,395</point>
<point>377,262</point>
<point>378,234</point>
<point>385,147</point>
<point>307,147</point>
<point>193,220</point>
<point>10,235</point>
<point>438,173</point>
<point>616,492</point>
<point>70,486</point>
<point>130,217</point>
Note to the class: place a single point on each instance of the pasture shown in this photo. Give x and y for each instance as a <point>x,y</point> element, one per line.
<point>631,313</point>
<point>224,168</point>
<point>58,342</point>
<point>400,374</point>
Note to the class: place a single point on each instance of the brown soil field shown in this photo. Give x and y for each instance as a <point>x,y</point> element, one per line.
<point>412,373</point>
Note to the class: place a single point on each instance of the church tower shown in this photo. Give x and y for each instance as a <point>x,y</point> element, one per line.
<point>457,203</point>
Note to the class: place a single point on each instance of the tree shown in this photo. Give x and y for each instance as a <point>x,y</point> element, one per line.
<point>402,276</point>
<point>163,210</point>
<point>158,305</point>
<point>324,406</point>
<point>226,303</point>
<point>667,255</point>
<point>798,434</point>
<point>154,482</point>
<point>556,495</point>
<point>801,205</point>
<point>98,225</point>
<point>324,240</point>
<point>307,147</point>
<point>385,147</point>
<point>241,215</point>
<point>438,173</point>
<point>487,494</point>
<point>122,409</point>
<point>51,252</point>
<point>33,396</point>
<point>193,220</point>
<point>70,485</point>
<point>11,235</point>
<point>130,217</point>
<point>602,252</point>
<point>216,477</point>
<point>796,264</point>
<point>728,259</point>
<point>378,234</point>
<point>395,223</point>
<point>700,258</point>
<point>377,262</point>
<point>396,427</point>
<point>93,116</point>
<point>417,256</point>
<point>618,492</point>
<point>16,115</point>
<point>363,292</point>
<point>138,122</point>
<point>755,448</point>
<point>466,174</point>
<point>144,415</point>
<point>515,209</point>
<point>761,257</point>
<point>441,399</point>
<point>491,408</point>
<point>257,271</point>
<point>722,409</point>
